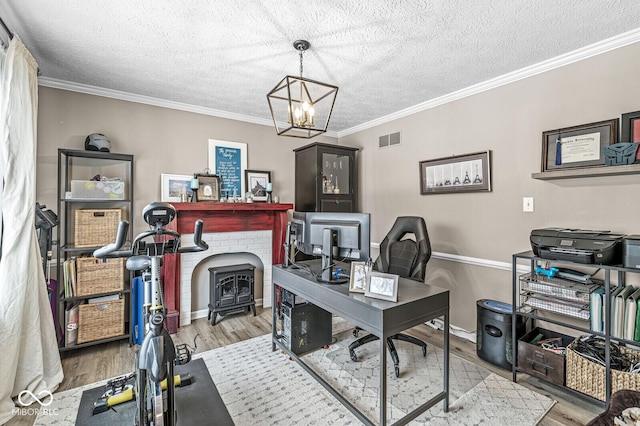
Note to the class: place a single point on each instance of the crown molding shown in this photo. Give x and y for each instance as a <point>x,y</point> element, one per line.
<point>604,46</point>
<point>595,49</point>
<point>148,100</point>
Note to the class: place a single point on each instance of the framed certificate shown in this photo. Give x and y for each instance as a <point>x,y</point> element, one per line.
<point>578,146</point>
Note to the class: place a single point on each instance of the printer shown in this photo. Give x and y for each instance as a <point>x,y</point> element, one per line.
<point>577,245</point>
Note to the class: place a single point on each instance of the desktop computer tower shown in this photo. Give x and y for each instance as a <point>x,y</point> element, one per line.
<point>305,327</point>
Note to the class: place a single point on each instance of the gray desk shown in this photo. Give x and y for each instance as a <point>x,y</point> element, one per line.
<point>417,303</point>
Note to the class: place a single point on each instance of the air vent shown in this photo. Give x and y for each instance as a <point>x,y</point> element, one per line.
<point>389,140</point>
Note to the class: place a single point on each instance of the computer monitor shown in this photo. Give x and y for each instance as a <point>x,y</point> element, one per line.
<point>344,236</point>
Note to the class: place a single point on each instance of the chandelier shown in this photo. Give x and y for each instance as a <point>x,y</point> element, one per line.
<point>301,107</point>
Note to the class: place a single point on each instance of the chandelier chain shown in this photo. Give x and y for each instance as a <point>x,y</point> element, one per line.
<point>301,53</point>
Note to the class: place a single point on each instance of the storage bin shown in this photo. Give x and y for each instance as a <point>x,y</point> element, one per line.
<point>588,377</point>
<point>95,276</point>
<point>100,320</point>
<point>95,228</point>
<point>96,190</point>
<point>540,362</point>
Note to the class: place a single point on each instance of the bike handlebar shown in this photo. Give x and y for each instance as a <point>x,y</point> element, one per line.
<point>113,250</point>
<point>197,239</point>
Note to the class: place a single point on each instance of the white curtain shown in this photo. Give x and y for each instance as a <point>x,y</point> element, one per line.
<point>29,353</point>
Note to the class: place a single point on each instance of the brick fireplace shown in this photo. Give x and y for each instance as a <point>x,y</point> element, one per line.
<point>257,228</point>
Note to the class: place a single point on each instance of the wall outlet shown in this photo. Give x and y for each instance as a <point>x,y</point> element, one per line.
<point>527,204</point>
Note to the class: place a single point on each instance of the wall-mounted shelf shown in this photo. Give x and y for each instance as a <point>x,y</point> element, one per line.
<point>588,172</point>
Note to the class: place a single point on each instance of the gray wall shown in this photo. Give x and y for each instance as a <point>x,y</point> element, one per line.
<point>486,227</point>
<point>509,121</point>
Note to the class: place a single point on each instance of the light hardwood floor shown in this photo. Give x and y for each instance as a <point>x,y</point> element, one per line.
<point>96,363</point>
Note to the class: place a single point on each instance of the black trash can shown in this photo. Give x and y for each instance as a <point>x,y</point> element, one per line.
<point>493,333</point>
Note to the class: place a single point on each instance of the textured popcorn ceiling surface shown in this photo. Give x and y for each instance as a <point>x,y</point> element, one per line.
<point>225,55</point>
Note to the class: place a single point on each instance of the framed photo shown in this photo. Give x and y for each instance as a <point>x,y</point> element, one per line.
<point>630,127</point>
<point>173,186</point>
<point>460,173</point>
<point>209,188</point>
<point>382,286</point>
<point>578,146</point>
<point>256,182</point>
<point>229,161</point>
<point>358,277</point>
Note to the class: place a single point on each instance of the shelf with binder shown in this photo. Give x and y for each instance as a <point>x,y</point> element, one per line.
<point>607,308</point>
<point>95,192</point>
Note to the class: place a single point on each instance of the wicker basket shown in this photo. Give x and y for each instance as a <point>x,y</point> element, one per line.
<point>588,377</point>
<point>100,320</point>
<point>95,276</point>
<point>94,228</point>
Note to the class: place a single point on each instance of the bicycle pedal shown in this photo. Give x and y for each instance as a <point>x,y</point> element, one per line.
<point>183,354</point>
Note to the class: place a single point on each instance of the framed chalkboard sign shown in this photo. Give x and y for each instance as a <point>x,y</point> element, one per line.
<point>229,161</point>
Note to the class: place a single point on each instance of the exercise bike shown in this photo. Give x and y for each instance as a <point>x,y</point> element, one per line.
<point>157,355</point>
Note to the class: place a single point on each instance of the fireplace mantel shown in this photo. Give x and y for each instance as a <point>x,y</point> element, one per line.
<point>221,217</point>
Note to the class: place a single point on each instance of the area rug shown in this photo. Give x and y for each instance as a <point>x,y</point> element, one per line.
<point>261,387</point>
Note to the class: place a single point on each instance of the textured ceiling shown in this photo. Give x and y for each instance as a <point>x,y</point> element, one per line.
<point>385,55</point>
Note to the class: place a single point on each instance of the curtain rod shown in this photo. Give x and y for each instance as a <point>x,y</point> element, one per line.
<point>9,33</point>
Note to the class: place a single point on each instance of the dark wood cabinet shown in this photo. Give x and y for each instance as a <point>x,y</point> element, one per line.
<point>325,178</point>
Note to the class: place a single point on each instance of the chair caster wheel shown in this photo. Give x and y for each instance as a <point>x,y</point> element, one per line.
<point>397,371</point>
<point>353,356</point>
<point>355,333</point>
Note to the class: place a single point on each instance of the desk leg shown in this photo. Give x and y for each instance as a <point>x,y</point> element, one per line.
<point>274,313</point>
<point>383,381</point>
<point>445,401</point>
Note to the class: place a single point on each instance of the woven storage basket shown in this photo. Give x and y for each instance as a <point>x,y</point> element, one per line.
<point>588,377</point>
<point>95,276</point>
<point>95,228</point>
<point>100,320</point>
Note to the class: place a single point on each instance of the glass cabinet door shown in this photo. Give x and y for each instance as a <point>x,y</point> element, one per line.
<point>335,173</point>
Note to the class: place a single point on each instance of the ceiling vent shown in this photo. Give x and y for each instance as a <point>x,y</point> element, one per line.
<point>389,140</point>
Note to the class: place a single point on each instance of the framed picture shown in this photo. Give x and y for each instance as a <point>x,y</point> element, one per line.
<point>358,277</point>
<point>256,182</point>
<point>460,173</point>
<point>382,286</point>
<point>173,186</point>
<point>229,161</point>
<point>578,146</point>
<point>630,127</point>
<point>209,188</point>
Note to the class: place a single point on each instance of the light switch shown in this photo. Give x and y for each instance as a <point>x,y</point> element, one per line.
<point>527,204</point>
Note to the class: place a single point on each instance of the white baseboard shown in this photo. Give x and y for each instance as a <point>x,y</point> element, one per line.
<point>438,324</point>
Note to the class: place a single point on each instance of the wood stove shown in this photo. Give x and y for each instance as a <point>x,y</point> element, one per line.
<point>231,290</point>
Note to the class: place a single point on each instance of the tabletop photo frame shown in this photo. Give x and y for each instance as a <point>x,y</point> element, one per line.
<point>382,286</point>
<point>208,187</point>
<point>630,127</point>
<point>358,277</point>
<point>256,183</point>
<point>173,186</point>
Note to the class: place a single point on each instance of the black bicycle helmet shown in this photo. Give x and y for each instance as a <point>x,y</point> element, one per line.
<point>97,142</point>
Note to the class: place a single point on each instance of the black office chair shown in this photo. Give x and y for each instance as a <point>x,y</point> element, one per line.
<point>406,258</point>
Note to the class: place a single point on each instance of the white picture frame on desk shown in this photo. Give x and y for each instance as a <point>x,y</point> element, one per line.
<point>358,277</point>
<point>382,286</point>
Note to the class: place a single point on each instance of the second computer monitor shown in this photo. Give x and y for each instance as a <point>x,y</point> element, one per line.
<point>353,233</point>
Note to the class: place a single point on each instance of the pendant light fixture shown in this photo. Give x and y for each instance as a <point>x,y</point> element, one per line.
<point>301,107</point>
